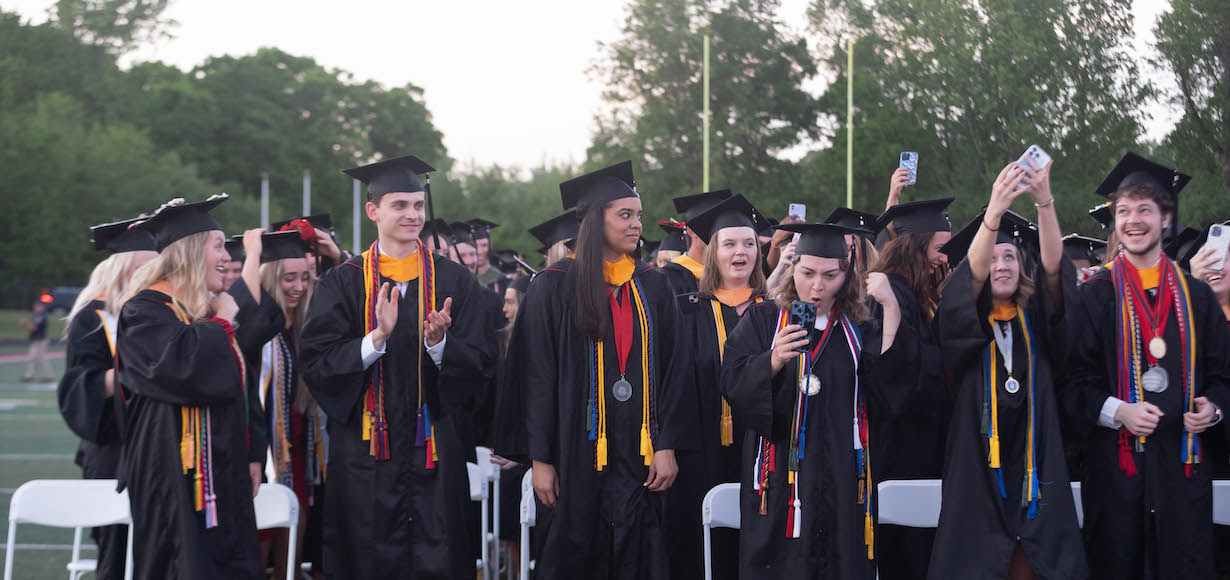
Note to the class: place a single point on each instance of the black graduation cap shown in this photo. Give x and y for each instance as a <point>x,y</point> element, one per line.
<point>693,205</point>
<point>1102,214</point>
<point>917,217</point>
<point>559,228</point>
<point>768,232</point>
<point>821,240</point>
<point>733,212</point>
<point>852,218</point>
<point>234,247</point>
<point>119,237</point>
<point>436,226</point>
<point>322,221</point>
<point>651,246</point>
<point>676,239</point>
<point>520,284</point>
<point>279,245</point>
<point>172,223</point>
<point>1078,247</point>
<point>463,233</point>
<point>598,187</point>
<point>1135,170</point>
<point>481,228</point>
<point>1178,245</point>
<point>1013,229</point>
<point>400,174</point>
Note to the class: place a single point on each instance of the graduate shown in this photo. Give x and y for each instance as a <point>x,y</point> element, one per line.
<point>393,350</point>
<point>683,273</point>
<point>438,236</point>
<point>465,246</point>
<point>298,440</point>
<point>1007,509</point>
<point>909,411</point>
<point>192,423</point>
<point>1085,254</point>
<point>1148,378</point>
<point>490,278</point>
<point>555,234</point>
<point>674,245</point>
<point>807,495</point>
<point>85,391</point>
<point>604,370</point>
<point>863,245</point>
<point>732,282</point>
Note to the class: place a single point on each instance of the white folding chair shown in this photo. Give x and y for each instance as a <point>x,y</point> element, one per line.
<point>720,509</point>
<point>913,503</point>
<point>277,507</point>
<point>1221,503</point>
<point>478,493</point>
<point>69,503</point>
<point>529,517</point>
<point>491,509</point>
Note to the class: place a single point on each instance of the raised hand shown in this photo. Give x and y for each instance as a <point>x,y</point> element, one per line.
<point>901,178</point>
<point>1004,191</point>
<point>437,323</point>
<point>387,299</point>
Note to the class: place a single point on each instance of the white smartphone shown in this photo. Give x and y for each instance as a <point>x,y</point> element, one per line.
<point>799,210</point>
<point>1035,157</point>
<point>1219,240</point>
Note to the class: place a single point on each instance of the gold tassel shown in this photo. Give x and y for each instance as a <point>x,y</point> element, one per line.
<point>186,439</point>
<point>869,537</point>
<point>601,452</point>
<point>367,426</point>
<point>646,444</point>
<point>728,425</point>
<point>995,451</point>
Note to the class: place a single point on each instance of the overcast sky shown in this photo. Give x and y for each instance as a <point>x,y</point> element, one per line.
<point>506,81</point>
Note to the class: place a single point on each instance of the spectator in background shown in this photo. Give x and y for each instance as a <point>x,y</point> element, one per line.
<point>37,325</point>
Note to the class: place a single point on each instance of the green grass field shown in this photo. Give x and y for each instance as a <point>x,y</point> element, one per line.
<point>34,444</point>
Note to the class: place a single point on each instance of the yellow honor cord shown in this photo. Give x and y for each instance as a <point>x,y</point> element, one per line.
<point>993,452</point>
<point>646,437</point>
<point>728,423</point>
<point>600,451</point>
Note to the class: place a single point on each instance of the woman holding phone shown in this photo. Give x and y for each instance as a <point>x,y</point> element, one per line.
<point>807,497</point>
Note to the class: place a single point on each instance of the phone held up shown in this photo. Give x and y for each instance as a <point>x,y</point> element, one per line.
<point>909,160</point>
<point>803,314</point>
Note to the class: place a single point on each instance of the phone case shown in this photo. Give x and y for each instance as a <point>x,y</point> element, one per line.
<point>909,160</point>
<point>1035,157</point>
<point>1219,240</point>
<point>804,314</point>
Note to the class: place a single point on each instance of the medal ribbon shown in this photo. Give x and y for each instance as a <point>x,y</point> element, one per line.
<point>1155,315</point>
<point>621,316</point>
<point>1030,489</point>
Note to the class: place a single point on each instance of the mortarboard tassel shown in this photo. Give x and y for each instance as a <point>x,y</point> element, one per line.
<point>728,425</point>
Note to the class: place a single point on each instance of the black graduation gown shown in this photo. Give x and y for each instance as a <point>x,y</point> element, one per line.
<point>978,528</point>
<point>165,364</point>
<point>831,541</point>
<point>395,518</point>
<point>255,325</point>
<point>606,524</point>
<point>909,414</point>
<point>1119,510</point>
<point>91,416</point>
<point>680,279</point>
<point>712,463</point>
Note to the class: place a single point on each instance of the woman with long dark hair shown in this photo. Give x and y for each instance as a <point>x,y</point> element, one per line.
<point>85,391</point>
<point>807,498</point>
<point>732,281</point>
<point>1007,509</point>
<point>909,411</point>
<point>604,371</point>
<point>192,422</point>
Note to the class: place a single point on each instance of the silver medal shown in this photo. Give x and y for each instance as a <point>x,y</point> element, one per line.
<point>1155,380</point>
<point>621,390</point>
<point>810,385</point>
<point>1012,385</point>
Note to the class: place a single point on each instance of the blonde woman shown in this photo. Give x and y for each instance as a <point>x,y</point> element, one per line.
<point>731,283</point>
<point>88,383</point>
<point>192,450</point>
<point>297,439</point>
<point>801,387</point>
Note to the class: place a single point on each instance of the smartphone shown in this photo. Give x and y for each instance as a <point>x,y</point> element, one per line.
<point>1035,157</point>
<point>909,160</point>
<point>804,314</point>
<point>799,210</point>
<point>1219,240</point>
